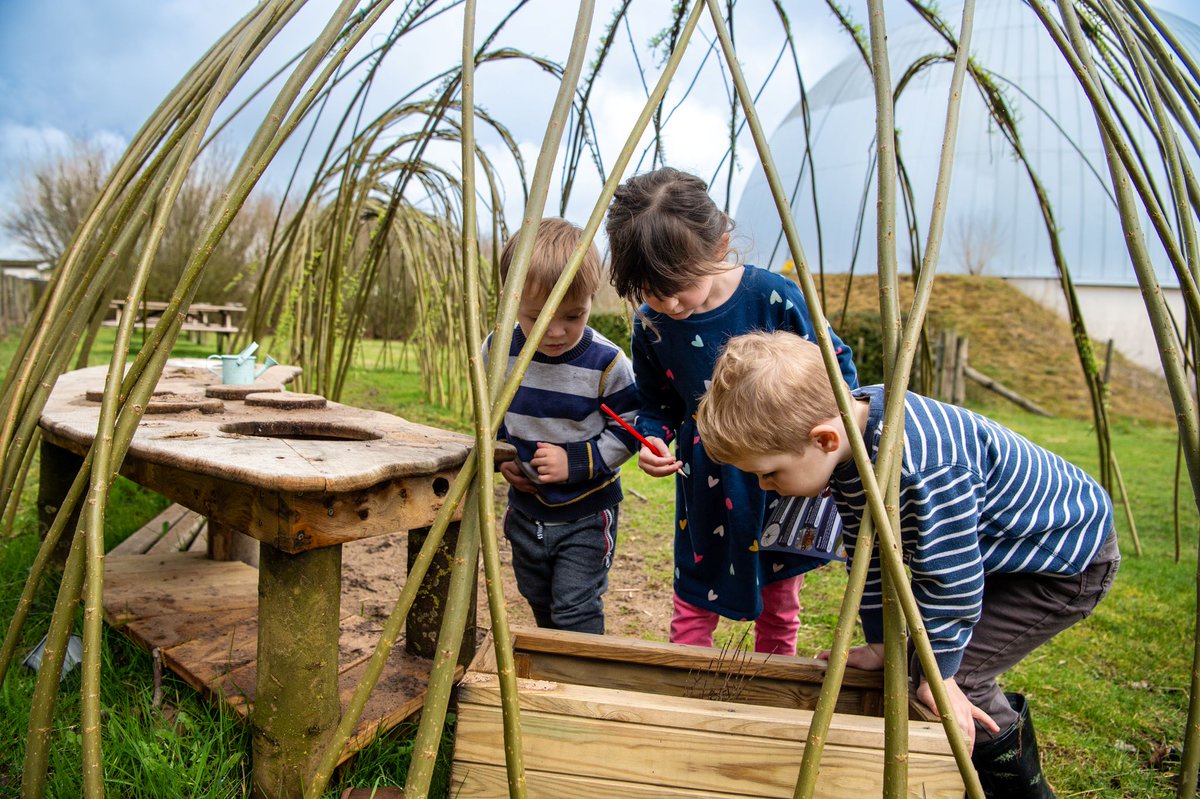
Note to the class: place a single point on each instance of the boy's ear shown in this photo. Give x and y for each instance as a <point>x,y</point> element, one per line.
<point>825,437</point>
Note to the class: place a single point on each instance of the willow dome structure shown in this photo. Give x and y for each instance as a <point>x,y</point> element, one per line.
<point>993,224</point>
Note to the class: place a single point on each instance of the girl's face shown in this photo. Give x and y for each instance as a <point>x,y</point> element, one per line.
<point>682,304</point>
<point>566,328</point>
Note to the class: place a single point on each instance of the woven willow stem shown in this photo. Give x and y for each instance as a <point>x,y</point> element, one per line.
<point>433,715</point>
<point>1169,141</point>
<point>65,280</point>
<point>93,767</point>
<point>895,673</point>
<point>391,630</point>
<point>1079,59</point>
<point>888,544</point>
<point>43,558</point>
<point>1168,343</point>
<point>510,294</point>
<point>509,388</point>
<point>454,621</point>
<point>45,692</point>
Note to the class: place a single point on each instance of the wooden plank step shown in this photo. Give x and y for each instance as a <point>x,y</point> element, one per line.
<point>200,542</point>
<point>621,737</point>
<point>143,586</point>
<point>145,537</point>
<point>485,782</point>
<point>202,615</point>
<point>179,538</point>
<point>172,629</point>
<point>398,695</point>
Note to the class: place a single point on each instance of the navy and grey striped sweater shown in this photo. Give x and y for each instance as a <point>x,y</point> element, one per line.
<point>975,498</point>
<point>559,402</point>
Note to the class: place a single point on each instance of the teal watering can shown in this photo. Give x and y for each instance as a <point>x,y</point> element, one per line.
<point>239,370</point>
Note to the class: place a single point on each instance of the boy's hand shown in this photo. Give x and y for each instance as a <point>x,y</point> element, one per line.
<point>550,462</point>
<point>965,713</point>
<point>654,463</point>
<point>868,657</point>
<point>513,474</point>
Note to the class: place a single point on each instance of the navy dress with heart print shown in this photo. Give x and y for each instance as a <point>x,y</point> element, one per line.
<point>719,510</point>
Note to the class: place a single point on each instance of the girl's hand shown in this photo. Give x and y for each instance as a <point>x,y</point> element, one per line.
<point>654,463</point>
<point>513,474</point>
<point>965,713</point>
<point>868,657</point>
<point>550,462</point>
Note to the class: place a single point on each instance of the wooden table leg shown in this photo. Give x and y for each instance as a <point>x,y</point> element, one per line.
<point>57,469</point>
<point>425,616</point>
<point>226,543</point>
<point>296,704</point>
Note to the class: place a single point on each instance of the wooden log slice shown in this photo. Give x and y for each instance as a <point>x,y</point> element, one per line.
<point>286,400</point>
<point>97,394</point>
<point>180,404</point>
<point>165,401</point>
<point>237,392</point>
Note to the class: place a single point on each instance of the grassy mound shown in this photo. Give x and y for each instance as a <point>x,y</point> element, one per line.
<point>1017,342</point>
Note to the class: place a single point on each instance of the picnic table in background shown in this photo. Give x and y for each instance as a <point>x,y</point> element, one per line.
<point>201,318</point>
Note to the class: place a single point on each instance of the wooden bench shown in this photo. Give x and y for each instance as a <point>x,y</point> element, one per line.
<point>176,529</point>
<point>200,318</point>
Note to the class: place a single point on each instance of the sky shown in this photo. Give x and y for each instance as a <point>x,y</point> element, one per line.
<point>94,70</point>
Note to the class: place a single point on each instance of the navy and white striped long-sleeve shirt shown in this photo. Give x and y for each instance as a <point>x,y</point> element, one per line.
<point>975,498</point>
<point>559,403</point>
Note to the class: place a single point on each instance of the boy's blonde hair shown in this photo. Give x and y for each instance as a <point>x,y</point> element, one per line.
<point>769,390</point>
<point>556,239</point>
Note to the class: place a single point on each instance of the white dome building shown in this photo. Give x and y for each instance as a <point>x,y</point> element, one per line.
<point>993,224</point>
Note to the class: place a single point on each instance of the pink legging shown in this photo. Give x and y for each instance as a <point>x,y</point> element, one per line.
<point>774,630</point>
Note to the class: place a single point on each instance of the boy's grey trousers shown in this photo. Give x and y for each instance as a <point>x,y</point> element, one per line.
<point>562,569</point>
<point>1020,613</point>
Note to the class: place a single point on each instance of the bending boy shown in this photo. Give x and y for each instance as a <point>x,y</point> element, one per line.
<point>1007,543</point>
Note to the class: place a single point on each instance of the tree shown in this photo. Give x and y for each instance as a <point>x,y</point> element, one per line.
<point>54,196</point>
<point>975,241</point>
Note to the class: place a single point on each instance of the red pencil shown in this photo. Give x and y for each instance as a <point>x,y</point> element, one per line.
<point>635,433</point>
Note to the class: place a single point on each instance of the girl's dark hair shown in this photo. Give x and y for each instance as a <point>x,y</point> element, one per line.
<point>664,232</point>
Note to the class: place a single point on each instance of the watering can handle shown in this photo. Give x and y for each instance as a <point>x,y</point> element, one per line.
<point>215,366</point>
<point>246,353</point>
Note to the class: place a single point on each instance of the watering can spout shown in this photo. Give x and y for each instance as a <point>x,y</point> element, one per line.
<point>268,362</point>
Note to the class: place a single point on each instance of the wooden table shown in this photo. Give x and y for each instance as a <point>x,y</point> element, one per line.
<point>300,482</point>
<point>199,318</point>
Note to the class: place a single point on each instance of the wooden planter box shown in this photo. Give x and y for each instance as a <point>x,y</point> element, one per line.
<point>604,716</point>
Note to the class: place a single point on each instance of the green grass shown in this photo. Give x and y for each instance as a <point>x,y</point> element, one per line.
<point>1109,696</point>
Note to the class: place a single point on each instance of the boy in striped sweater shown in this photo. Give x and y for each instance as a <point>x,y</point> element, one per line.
<point>565,485</point>
<point>1007,544</point>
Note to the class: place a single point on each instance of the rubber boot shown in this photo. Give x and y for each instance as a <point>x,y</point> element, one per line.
<point>1009,766</point>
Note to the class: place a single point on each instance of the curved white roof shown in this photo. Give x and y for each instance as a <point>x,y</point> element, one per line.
<point>992,207</point>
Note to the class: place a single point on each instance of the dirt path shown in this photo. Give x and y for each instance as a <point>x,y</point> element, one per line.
<point>636,605</point>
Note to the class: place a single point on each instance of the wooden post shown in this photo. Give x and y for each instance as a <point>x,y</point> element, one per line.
<point>226,543</point>
<point>960,364</point>
<point>57,470</point>
<point>1108,349</point>
<point>296,703</point>
<point>944,364</point>
<point>425,616</point>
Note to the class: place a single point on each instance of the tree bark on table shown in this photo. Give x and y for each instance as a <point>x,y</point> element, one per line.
<point>425,616</point>
<point>296,702</point>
